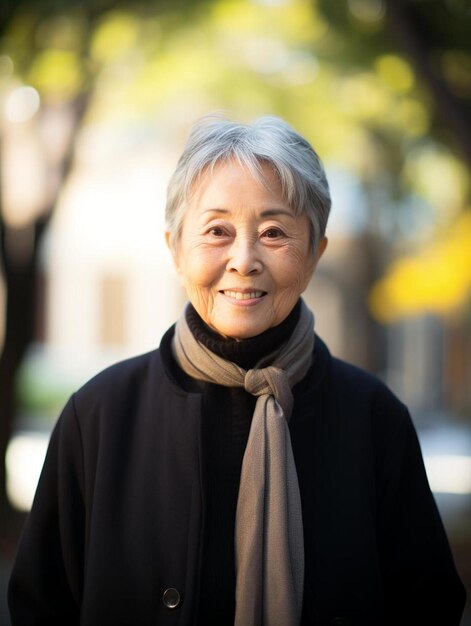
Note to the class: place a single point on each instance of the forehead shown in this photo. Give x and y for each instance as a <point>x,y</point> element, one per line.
<point>231,181</point>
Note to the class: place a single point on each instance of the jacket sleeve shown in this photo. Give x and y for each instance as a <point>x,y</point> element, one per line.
<point>47,577</point>
<point>421,584</point>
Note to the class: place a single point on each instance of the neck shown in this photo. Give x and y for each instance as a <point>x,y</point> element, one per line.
<point>246,352</point>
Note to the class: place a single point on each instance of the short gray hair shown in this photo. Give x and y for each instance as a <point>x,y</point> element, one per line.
<point>214,139</point>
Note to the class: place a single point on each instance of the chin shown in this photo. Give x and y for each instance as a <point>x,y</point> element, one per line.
<point>239,331</point>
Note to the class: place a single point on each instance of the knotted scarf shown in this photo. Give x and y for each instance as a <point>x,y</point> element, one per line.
<point>269,545</point>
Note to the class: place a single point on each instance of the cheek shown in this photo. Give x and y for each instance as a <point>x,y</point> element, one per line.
<point>198,272</point>
<point>294,270</point>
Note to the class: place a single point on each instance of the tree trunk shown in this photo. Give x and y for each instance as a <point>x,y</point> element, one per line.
<point>408,33</point>
<point>19,251</point>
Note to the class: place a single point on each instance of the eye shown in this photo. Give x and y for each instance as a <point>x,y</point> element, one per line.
<point>216,231</point>
<point>272,233</point>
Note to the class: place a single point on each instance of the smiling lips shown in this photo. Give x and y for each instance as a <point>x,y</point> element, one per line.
<point>243,295</point>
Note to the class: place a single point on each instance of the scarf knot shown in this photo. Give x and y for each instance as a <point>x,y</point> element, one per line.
<point>271,381</point>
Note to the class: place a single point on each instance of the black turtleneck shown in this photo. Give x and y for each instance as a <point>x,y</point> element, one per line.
<point>245,352</point>
<point>227,414</point>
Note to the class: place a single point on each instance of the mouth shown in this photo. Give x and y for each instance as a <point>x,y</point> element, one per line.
<point>243,295</point>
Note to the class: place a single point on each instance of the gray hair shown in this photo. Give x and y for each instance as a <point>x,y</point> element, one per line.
<point>269,139</point>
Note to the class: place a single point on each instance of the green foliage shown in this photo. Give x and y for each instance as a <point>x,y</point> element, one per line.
<point>40,390</point>
<point>432,38</point>
<point>336,69</point>
<point>332,68</point>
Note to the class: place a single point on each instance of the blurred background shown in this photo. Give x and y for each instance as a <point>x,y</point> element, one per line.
<point>96,100</point>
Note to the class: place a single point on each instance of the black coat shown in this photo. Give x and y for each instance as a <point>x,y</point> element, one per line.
<point>118,516</point>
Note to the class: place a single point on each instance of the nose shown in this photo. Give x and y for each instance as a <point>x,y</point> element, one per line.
<point>244,258</point>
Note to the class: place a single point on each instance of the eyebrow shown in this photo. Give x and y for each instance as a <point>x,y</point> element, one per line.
<point>265,213</point>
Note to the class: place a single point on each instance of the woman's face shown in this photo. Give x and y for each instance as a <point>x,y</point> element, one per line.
<point>243,257</point>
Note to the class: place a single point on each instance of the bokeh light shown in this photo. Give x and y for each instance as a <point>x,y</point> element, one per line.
<point>22,104</point>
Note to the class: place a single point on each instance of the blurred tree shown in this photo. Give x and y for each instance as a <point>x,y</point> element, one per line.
<point>421,50</point>
<point>432,36</point>
<point>50,58</point>
<point>21,26</point>
<point>337,76</point>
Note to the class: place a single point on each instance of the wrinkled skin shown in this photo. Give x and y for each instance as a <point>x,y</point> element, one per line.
<point>243,256</point>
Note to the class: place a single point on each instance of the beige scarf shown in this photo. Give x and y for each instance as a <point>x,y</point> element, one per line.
<point>269,545</point>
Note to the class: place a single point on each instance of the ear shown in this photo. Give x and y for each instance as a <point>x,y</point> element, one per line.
<point>170,246</point>
<point>321,246</point>
<point>320,250</point>
<point>314,260</point>
<point>175,256</point>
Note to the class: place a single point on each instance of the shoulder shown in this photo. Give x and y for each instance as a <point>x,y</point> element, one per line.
<point>107,411</point>
<point>358,396</point>
<point>130,387</point>
<point>123,374</point>
<point>124,393</point>
<point>367,416</point>
<point>352,383</point>
<point>358,382</point>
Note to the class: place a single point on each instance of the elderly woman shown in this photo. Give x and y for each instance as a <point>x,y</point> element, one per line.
<point>239,474</point>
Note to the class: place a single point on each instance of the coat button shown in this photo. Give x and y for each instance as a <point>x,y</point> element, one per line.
<point>340,621</point>
<point>171,598</point>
